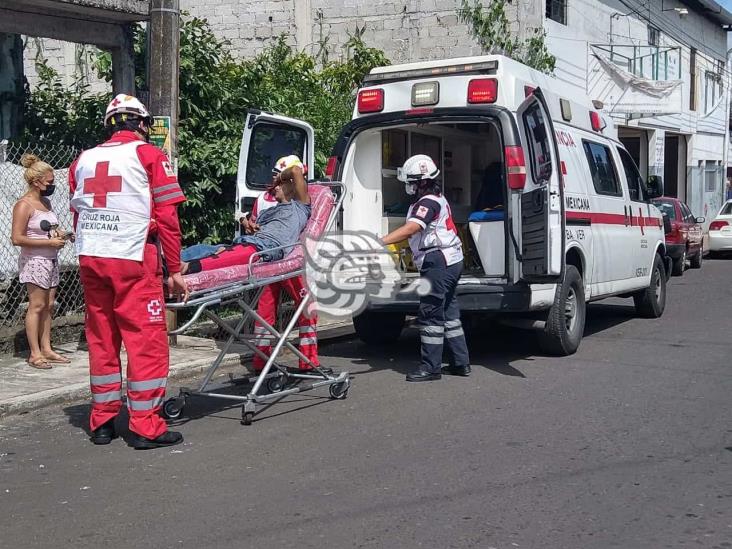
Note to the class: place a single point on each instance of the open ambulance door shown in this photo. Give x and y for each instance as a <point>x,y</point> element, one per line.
<point>266,138</point>
<point>542,198</point>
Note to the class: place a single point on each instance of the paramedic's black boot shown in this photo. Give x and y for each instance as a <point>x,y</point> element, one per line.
<point>168,438</point>
<point>104,434</point>
<point>463,371</point>
<point>423,375</point>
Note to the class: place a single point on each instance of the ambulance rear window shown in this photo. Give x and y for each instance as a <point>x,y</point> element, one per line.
<point>602,168</point>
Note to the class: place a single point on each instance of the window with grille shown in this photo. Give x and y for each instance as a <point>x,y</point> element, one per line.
<point>654,36</point>
<point>556,10</point>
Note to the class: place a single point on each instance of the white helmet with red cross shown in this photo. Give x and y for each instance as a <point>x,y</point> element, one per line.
<point>417,170</point>
<point>286,162</point>
<point>126,104</point>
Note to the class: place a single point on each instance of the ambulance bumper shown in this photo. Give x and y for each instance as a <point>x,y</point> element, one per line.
<point>471,297</point>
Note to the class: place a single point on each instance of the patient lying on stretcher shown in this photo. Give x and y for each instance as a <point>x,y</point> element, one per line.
<point>276,227</point>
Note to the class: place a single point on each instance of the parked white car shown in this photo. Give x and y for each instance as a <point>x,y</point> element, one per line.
<point>720,231</point>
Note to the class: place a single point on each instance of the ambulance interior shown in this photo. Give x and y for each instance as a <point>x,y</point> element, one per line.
<point>470,159</point>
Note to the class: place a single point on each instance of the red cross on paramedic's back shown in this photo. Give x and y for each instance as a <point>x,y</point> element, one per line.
<point>101,184</point>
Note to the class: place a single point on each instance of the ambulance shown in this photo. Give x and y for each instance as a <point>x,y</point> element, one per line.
<point>551,209</point>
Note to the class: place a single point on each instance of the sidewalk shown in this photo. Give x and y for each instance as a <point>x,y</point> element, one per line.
<point>24,389</point>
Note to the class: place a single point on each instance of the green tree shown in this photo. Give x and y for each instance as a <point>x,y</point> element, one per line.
<point>215,92</point>
<point>491,28</point>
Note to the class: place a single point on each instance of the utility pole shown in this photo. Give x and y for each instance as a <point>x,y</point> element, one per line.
<point>163,62</point>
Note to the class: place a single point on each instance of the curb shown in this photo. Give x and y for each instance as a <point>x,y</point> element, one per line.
<point>80,391</point>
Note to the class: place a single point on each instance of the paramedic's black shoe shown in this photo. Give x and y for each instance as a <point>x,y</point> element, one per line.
<point>104,434</point>
<point>463,371</point>
<point>168,438</point>
<point>423,375</point>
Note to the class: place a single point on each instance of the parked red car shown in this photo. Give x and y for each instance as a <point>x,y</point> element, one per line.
<point>684,242</point>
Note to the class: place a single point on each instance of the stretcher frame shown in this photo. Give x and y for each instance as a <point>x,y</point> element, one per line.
<point>279,380</point>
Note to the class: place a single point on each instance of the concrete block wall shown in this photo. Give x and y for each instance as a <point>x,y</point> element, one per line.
<point>407,30</point>
<point>74,62</point>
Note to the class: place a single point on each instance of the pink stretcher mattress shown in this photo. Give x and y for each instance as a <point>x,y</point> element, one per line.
<point>321,201</point>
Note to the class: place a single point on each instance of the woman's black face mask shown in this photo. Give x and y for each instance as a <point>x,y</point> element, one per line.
<point>48,191</point>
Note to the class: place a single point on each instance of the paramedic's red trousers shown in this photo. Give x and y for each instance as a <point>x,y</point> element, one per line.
<point>307,326</point>
<point>124,302</point>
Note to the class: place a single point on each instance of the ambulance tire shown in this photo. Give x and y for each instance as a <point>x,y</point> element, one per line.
<point>379,328</point>
<point>565,323</point>
<point>651,302</point>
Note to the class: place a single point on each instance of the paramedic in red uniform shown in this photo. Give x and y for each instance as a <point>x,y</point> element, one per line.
<point>124,198</point>
<point>267,306</point>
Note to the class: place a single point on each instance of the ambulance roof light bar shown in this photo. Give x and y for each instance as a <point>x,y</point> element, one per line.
<point>484,67</point>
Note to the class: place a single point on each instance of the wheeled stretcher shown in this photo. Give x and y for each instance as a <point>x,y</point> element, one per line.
<point>240,286</point>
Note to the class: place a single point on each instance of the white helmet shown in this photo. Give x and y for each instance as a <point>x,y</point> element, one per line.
<point>417,168</point>
<point>287,162</point>
<point>126,104</point>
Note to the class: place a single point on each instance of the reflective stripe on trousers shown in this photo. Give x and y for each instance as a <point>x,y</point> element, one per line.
<point>439,314</point>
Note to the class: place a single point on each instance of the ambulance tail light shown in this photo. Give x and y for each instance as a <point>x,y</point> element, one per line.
<point>598,124</point>
<point>515,167</point>
<point>718,225</point>
<point>483,90</point>
<point>330,167</point>
<point>371,100</point>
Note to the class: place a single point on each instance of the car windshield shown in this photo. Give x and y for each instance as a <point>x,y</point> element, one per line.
<point>666,207</point>
<point>726,209</point>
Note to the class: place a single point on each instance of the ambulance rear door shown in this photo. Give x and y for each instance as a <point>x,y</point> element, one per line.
<point>266,138</point>
<point>542,201</point>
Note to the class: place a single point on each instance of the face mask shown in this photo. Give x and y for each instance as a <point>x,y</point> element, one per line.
<point>48,191</point>
<point>410,188</point>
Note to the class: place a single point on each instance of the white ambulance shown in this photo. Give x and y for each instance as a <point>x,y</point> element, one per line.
<point>551,208</point>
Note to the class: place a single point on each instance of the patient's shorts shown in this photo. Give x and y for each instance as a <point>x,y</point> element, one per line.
<point>238,255</point>
<point>41,271</point>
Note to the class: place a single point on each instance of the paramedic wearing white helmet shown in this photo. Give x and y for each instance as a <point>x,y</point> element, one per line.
<point>124,198</point>
<point>438,254</point>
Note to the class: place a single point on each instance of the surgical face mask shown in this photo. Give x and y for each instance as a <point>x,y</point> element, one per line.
<point>410,188</point>
<point>48,191</point>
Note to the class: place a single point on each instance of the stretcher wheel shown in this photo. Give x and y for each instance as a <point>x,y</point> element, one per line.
<point>339,391</point>
<point>276,384</point>
<point>172,408</point>
<point>246,417</point>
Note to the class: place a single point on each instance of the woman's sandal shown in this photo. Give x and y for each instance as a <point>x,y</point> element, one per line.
<point>39,364</point>
<point>58,359</point>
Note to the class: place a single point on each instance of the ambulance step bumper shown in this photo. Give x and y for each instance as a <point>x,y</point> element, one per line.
<point>493,298</point>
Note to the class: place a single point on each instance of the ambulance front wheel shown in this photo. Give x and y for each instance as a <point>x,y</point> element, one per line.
<point>565,322</point>
<point>376,328</point>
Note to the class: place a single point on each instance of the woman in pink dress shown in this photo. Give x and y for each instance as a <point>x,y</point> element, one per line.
<point>38,261</point>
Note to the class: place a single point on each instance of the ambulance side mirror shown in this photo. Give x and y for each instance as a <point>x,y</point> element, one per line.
<point>655,186</point>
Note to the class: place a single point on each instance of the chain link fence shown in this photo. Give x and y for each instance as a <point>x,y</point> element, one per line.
<point>13,296</point>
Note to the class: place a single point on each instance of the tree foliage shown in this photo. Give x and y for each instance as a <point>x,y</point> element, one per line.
<point>491,28</point>
<point>216,91</point>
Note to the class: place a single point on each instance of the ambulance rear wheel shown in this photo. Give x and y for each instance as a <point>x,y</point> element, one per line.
<point>379,328</point>
<point>651,302</point>
<point>565,323</point>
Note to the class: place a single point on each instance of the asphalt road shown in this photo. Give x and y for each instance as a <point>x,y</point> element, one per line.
<point>626,444</point>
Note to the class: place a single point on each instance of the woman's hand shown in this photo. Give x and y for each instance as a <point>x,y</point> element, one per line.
<point>56,242</point>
